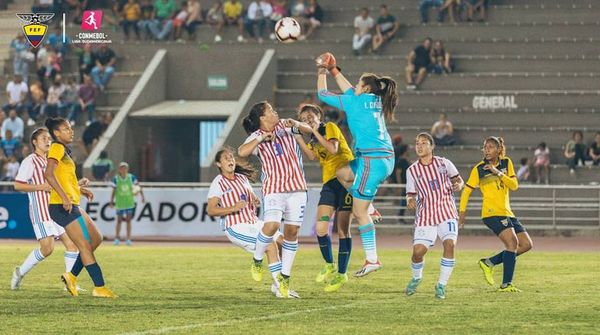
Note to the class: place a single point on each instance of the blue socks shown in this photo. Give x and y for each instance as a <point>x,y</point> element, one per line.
<point>77,267</point>
<point>344,252</point>
<point>509,259</point>
<point>96,273</point>
<point>325,246</point>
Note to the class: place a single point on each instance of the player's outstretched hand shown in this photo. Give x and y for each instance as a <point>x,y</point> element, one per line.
<point>326,61</point>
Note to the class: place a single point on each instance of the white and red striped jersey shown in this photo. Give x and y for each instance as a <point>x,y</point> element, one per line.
<point>31,172</point>
<point>229,192</point>
<point>281,159</point>
<point>432,186</point>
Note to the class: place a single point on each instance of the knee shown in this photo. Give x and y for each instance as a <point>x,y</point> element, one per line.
<point>361,216</point>
<point>46,250</point>
<point>526,246</point>
<point>512,244</point>
<point>418,252</point>
<point>322,228</point>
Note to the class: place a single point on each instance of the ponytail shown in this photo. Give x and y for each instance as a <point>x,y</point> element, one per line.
<point>385,88</point>
<point>251,122</point>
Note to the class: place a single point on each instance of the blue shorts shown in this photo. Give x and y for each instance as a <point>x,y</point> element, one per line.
<point>369,173</point>
<point>498,223</point>
<point>125,212</point>
<point>62,217</point>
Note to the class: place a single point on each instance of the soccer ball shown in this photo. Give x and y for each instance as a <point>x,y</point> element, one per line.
<point>287,30</point>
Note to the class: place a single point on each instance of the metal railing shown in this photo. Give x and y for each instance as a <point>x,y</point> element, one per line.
<point>557,207</point>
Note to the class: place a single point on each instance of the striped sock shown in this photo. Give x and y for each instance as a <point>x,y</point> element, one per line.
<point>70,259</point>
<point>96,273</point>
<point>262,242</point>
<point>325,246</point>
<point>35,256</point>
<point>344,252</point>
<point>367,235</point>
<point>417,269</point>
<point>275,269</point>
<point>288,252</point>
<point>446,266</point>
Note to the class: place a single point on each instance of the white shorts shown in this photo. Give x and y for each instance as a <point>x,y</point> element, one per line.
<point>46,229</point>
<point>244,234</point>
<point>287,206</point>
<point>426,235</point>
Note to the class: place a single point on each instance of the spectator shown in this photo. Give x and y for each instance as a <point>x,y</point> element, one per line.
<point>47,65</point>
<point>424,9</point>
<point>16,91</point>
<point>279,11</point>
<point>102,167</point>
<point>162,25</point>
<point>86,61</point>
<point>440,59</point>
<point>473,6</point>
<point>147,17</point>
<point>542,162</point>
<point>179,20</point>
<point>214,17</point>
<point>232,10</point>
<point>11,168</point>
<point>442,131</point>
<point>523,173</point>
<point>38,102</point>
<point>418,62</point>
<point>86,101</point>
<point>105,60</point>
<point>94,130</point>
<point>132,13</point>
<point>451,6</point>
<point>575,151</point>
<point>55,39</point>
<point>22,56</point>
<point>9,144</point>
<point>54,105</point>
<point>25,151</point>
<point>363,24</point>
<point>70,97</point>
<point>385,29</point>
<point>15,125</point>
<point>314,18</point>
<point>194,19</point>
<point>594,152</point>
<point>256,18</point>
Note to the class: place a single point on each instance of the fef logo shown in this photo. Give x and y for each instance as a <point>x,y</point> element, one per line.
<point>34,30</point>
<point>91,20</point>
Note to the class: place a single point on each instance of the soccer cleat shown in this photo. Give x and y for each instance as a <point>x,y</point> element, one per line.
<point>367,268</point>
<point>15,283</point>
<point>128,243</point>
<point>326,273</point>
<point>411,288</point>
<point>440,291</point>
<point>488,271</point>
<point>336,282</point>
<point>284,286</point>
<point>256,270</point>
<point>376,217</point>
<point>116,241</point>
<point>70,283</point>
<point>508,288</point>
<point>291,294</point>
<point>79,289</point>
<point>103,292</point>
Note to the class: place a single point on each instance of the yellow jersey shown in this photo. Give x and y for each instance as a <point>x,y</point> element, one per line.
<point>65,174</point>
<point>232,10</point>
<point>494,189</point>
<point>331,162</point>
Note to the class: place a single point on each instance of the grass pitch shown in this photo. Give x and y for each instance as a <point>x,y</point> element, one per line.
<point>208,290</point>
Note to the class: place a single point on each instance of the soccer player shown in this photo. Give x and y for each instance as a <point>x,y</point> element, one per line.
<point>368,106</point>
<point>328,145</point>
<point>283,184</point>
<point>123,199</point>
<point>30,179</point>
<point>430,183</point>
<point>65,211</point>
<point>231,197</point>
<point>495,177</point>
